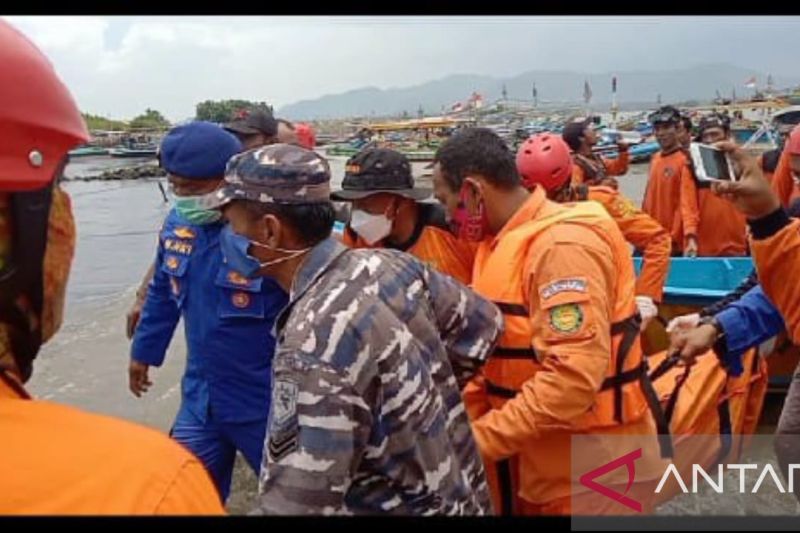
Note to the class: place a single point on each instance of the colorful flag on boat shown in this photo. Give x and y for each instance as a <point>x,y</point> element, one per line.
<point>751,83</point>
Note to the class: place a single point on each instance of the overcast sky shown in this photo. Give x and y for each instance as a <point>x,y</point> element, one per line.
<point>118,66</point>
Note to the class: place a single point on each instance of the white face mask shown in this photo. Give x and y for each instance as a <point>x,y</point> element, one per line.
<point>369,227</point>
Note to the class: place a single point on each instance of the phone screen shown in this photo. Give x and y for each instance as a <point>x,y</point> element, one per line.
<point>715,163</point>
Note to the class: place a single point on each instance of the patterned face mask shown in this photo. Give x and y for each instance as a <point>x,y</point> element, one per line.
<point>466,226</point>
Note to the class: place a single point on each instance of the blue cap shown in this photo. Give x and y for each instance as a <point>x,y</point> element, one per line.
<point>198,150</point>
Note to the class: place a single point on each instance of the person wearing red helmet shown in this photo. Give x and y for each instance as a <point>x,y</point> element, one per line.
<point>57,459</point>
<point>544,160</point>
<point>786,180</point>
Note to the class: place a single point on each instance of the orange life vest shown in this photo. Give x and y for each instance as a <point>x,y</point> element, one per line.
<point>626,395</point>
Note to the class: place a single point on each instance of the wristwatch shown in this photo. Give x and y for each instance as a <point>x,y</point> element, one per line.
<point>711,320</point>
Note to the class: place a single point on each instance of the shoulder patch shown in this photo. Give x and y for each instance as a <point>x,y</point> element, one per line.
<point>624,207</point>
<point>562,285</point>
<point>184,233</point>
<point>283,423</point>
<point>566,319</point>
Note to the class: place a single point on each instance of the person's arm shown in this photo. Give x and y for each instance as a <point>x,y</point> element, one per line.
<point>469,324</point>
<point>644,233</point>
<point>160,316</point>
<point>782,182</point>
<point>318,432</point>
<point>135,312</point>
<point>746,323</point>
<point>776,251</point>
<point>748,283</point>
<point>618,166</point>
<point>690,213</point>
<point>571,334</point>
<point>578,175</point>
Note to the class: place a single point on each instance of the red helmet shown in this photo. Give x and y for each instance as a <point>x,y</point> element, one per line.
<point>793,144</point>
<point>305,135</point>
<point>544,160</point>
<point>39,121</point>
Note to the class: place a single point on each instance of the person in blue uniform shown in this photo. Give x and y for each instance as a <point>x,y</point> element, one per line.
<point>228,319</point>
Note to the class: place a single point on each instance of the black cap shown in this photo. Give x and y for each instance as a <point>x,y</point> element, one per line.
<point>665,114</point>
<point>574,131</point>
<point>250,122</point>
<point>714,120</point>
<point>377,170</point>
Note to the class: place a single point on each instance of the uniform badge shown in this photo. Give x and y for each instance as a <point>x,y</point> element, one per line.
<point>668,172</point>
<point>283,423</point>
<point>624,207</point>
<point>562,285</point>
<point>566,318</point>
<point>172,263</point>
<point>236,278</point>
<point>240,299</point>
<point>184,233</point>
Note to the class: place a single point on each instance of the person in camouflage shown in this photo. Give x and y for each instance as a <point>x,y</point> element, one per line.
<point>373,349</point>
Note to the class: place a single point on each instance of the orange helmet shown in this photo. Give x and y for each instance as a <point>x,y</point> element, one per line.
<point>39,121</point>
<point>544,159</point>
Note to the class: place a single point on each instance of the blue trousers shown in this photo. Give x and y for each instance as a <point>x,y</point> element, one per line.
<point>216,443</point>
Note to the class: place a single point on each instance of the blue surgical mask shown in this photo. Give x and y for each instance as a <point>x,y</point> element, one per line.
<point>190,208</point>
<point>234,249</point>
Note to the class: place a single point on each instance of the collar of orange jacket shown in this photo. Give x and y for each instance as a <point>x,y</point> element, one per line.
<point>528,211</point>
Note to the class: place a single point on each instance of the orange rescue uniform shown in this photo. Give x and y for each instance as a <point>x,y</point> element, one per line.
<point>56,459</point>
<point>431,243</point>
<point>662,198</point>
<point>777,259</point>
<point>783,182</point>
<point>719,228</point>
<point>563,277</point>
<point>640,230</point>
<point>594,170</point>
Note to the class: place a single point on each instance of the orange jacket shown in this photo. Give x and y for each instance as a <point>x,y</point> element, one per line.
<point>433,245</point>
<point>640,230</point>
<point>782,181</point>
<point>610,167</point>
<point>562,275</point>
<point>777,259</point>
<point>60,460</point>
<point>662,197</point>
<point>719,228</point>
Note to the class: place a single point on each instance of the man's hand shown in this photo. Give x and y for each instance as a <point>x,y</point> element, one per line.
<point>137,378</point>
<point>751,194</point>
<point>691,247</point>
<point>683,322</point>
<point>690,343</point>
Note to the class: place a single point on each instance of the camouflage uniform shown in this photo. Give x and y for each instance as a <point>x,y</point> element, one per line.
<point>372,352</point>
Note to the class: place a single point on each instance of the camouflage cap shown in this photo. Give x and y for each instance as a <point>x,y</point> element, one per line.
<point>276,173</point>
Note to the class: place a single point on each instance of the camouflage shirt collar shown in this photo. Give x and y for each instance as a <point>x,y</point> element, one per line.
<point>317,262</point>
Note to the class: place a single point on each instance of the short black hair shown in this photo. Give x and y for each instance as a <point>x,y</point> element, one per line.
<point>687,122</point>
<point>313,223</point>
<point>477,151</point>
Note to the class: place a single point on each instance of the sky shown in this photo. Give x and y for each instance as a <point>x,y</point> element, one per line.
<point>117,66</point>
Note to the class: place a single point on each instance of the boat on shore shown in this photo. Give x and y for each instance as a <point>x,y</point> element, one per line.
<point>148,151</point>
<point>88,151</point>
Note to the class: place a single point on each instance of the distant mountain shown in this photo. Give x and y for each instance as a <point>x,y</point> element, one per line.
<point>695,83</point>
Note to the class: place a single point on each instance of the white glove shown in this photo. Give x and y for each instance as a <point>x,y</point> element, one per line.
<point>647,310</point>
<point>683,322</point>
